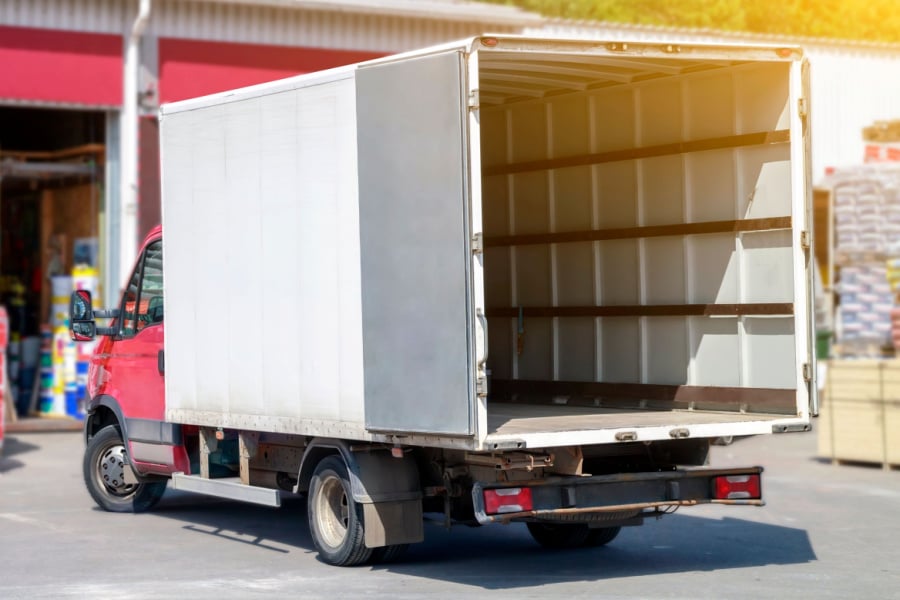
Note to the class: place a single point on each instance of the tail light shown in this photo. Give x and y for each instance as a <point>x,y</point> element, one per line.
<point>738,487</point>
<point>507,500</point>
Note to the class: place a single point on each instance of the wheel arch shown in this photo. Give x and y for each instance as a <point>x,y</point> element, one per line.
<point>105,410</point>
<point>375,475</point>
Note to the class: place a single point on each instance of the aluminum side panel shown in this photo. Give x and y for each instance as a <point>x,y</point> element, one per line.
<point>262,260</point>
<point>414,244</point>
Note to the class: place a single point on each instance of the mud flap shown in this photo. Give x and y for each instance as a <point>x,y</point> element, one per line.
<point>390,523</point>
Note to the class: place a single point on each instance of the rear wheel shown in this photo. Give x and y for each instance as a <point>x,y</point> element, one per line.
<point>559,535</point>
<point>571,535</point>
<point>104,466</point>
<point>601,536</point>
<point>388,554</point>
<point>335,519</point>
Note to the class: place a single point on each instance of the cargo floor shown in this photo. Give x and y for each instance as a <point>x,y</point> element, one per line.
<point>521,419</point>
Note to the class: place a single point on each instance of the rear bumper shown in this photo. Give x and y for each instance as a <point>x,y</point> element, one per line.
<point>618,493</point>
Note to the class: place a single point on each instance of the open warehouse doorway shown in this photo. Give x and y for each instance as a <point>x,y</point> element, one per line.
<point>52,171</point>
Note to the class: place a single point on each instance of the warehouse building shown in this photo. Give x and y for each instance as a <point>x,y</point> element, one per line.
<point>81,82</point>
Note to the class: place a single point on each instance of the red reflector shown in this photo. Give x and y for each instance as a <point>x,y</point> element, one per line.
<point>738,487</point>
<point>507,500</point>
<point>489,42</point>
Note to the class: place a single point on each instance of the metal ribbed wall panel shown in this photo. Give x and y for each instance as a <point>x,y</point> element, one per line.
<point>96,16</point>
<point>319,29</point>
<point>229,22</point>
<point>852,84</point>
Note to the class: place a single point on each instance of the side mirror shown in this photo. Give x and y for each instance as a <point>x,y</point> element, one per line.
<point>82,327</point>
<point>83,331</point>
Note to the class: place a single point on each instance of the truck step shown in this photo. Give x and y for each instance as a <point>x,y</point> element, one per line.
<point>228,487</point>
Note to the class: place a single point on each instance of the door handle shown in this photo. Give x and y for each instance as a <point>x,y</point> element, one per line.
<point>161,362</point>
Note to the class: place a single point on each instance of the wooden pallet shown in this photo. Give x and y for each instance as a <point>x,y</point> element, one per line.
<point>860,463</point>
<point>860,412</point>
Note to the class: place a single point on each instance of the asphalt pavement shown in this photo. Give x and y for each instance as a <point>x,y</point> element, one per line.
<point>828,531</point>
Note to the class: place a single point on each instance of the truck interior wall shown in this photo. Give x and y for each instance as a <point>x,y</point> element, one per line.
<point>600,287</point>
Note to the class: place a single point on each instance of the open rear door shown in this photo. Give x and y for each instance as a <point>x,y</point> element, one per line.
<point>414,242</point>
<point>806,120</point>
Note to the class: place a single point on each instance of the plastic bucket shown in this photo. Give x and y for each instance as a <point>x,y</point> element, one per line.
<point>823,344</point>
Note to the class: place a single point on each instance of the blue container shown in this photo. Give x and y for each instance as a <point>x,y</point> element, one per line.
<point>72,400</point>
<point>81,377</point>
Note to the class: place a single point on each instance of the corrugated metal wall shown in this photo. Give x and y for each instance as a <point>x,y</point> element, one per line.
<point>246,24</point>
<point>851,88</point>
<point>96,16</point>
<point>261,25</point>
<point>853,84</point>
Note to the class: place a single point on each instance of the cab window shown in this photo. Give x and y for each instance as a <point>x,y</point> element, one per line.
<point>142,303</point>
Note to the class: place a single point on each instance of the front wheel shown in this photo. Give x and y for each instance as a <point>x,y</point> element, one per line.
<point>335,519</point>
<point>104,475</point>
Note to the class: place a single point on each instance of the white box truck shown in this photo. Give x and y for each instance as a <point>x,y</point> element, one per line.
<point>500,280</point>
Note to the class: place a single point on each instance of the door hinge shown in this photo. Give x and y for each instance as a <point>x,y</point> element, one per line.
<point>803,108</point>
<point>478,243</point>
<point>481,386</point>
<point>807,373</point>
<point>474,100</point>
<point>804,240</point>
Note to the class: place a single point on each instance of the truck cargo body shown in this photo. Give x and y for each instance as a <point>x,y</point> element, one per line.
<point>504,243</point>
<point>501,280</point>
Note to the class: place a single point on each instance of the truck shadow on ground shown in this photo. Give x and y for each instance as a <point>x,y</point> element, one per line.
<point>677,544</point>
<point>505,557</point>
<point>13,446</point>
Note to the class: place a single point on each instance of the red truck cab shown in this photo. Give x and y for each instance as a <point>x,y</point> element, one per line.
<point>130,448</point>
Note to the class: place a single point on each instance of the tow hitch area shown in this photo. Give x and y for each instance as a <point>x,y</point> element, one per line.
<point>547,498</point>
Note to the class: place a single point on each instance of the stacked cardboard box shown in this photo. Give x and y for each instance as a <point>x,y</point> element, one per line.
<point>866,235</point>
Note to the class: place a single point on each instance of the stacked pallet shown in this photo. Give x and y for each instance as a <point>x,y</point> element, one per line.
<point>860,418</point>
<point>866,213</point>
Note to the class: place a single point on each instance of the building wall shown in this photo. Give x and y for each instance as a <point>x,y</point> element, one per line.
<point>194,47</point>
<point>343,27</point>
<point>191,68</point>
<point>46,67</point>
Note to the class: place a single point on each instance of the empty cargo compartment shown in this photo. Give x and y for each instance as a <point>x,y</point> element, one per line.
<point>639,267</point>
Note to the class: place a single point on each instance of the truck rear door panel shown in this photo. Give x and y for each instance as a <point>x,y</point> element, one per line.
<point>414,246</point>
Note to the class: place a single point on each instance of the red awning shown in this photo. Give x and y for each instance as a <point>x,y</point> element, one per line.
<point>190,68</point>
<point>64,67</point>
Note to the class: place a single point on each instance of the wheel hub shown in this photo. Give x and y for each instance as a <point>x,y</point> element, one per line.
<point>333,511</point>
<point>111,471</point>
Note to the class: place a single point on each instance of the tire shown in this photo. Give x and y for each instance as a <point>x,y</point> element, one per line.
<point>558,536</point>
<point>104,462</point>
<point>335,519</point>
<point>601,536</point>
<point>388,554</point>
